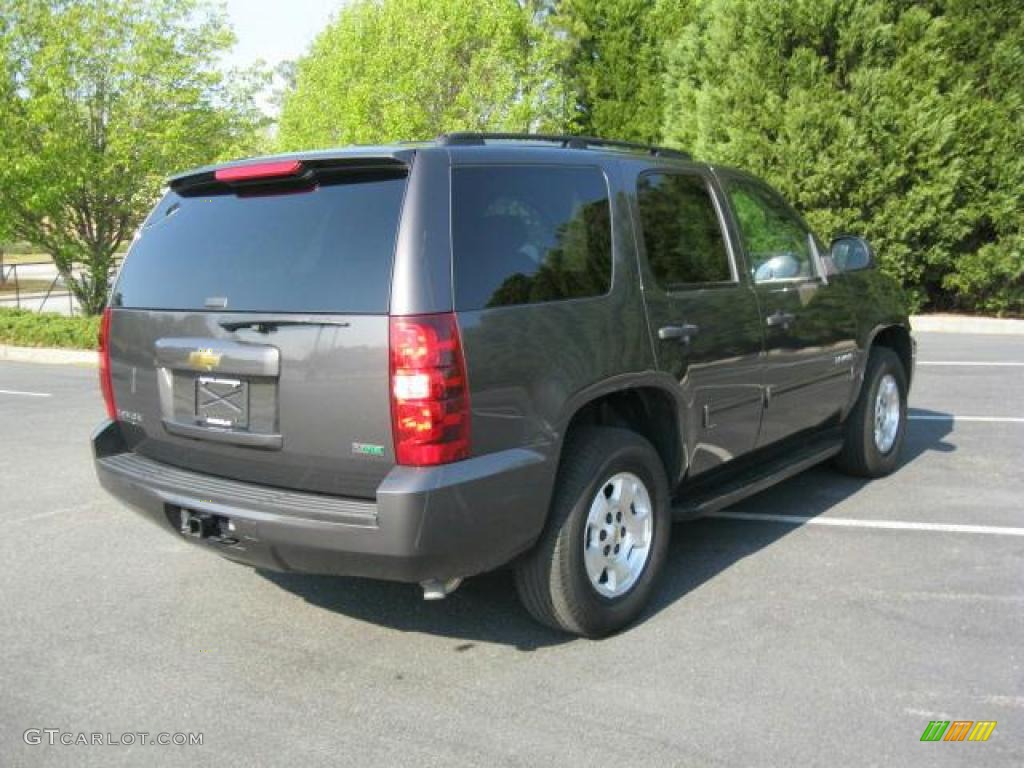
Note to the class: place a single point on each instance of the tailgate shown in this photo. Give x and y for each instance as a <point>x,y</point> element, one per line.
<point>249,330</point>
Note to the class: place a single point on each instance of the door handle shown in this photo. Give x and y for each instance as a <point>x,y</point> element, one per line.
<point>780,318</point>
<point>683,332</point>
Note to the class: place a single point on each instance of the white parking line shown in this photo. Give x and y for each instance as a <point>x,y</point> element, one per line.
<point>951,417</point>
<point>24,394</point>
<point>845,522</point>
<point>970,363</point>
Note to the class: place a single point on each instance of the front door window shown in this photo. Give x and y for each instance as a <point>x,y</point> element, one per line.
<point>778,245</point>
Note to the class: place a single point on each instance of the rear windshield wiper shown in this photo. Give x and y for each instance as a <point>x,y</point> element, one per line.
<point>266,326</point>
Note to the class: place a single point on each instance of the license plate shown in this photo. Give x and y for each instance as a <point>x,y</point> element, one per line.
<point>222,402</point>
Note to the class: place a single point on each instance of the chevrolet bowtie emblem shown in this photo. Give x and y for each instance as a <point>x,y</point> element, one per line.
<point>204,359</point>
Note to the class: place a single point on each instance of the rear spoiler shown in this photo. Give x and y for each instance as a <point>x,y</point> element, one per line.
<point>283,173</point>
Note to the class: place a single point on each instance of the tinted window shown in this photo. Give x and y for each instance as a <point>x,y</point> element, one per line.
<point>325,250</point>
<point>682,235</point>
<point>530,234</point>
<point>778,245</point>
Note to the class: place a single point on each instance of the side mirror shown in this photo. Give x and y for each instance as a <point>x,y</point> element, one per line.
<point>852,254</point>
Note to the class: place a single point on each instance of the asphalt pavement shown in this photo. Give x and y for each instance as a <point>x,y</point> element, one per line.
<point>774,639</point>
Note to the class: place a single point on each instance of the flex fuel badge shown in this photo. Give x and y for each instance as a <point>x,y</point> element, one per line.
<point>368,449</point>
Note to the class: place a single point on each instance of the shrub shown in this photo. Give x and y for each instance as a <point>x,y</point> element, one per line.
<point>22,328</point>
<point>900,121</point>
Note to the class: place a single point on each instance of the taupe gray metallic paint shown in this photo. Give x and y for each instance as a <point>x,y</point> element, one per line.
<point>530,368</point>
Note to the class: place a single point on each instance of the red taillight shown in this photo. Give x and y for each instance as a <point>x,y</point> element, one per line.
<point>106,383</point>
<point>429,392</point>
<point>274,170</point>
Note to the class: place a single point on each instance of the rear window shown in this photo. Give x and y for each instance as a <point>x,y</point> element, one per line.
<point>328,249</point>
<point>529,234</point>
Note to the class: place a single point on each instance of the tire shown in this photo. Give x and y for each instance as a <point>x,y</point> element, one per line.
<point>862,454</point>
<point>553,580</point>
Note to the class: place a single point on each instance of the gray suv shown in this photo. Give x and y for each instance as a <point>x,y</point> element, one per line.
<point>425,361</point>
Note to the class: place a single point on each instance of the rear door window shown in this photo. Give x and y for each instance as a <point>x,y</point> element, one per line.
<point>529,234</point>
<point>682,234</point>
<point>327,249</point>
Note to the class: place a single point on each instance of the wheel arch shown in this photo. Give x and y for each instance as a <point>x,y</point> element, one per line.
<point>649,408</point>
<point>897,338</point>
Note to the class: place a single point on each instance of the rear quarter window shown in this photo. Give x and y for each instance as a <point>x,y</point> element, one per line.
<point>529,234</point>
<point>328,249</point>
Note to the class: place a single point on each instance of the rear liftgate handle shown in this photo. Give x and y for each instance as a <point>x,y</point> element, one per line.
<point>683,332</point>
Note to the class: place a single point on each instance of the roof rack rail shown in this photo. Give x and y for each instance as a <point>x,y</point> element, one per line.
<point>473,138</point>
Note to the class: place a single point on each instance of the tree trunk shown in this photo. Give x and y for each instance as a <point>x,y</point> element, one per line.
<point>93,285</point>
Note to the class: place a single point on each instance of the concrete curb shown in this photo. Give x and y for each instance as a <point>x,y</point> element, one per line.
<point>83,357</point>
<point>966,324</point>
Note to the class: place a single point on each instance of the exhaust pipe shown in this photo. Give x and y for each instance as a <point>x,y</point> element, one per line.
<point>435,589</point>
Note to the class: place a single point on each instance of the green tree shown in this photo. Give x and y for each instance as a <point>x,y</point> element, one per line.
<point>901,120</point>
<point>387,70</point>
<point>614,64</point>
<point>99,101</point>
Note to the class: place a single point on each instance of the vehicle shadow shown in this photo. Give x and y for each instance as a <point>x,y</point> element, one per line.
<point>703,548</point>
<point>486,609</point>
